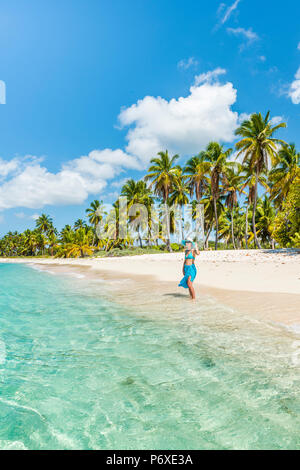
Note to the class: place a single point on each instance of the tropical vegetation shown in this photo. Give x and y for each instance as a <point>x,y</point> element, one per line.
<point>250,198</point>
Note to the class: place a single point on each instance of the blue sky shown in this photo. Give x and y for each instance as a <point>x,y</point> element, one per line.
<point>83,81</point>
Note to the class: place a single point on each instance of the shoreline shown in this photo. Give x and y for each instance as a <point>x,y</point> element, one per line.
<point>261,283</point>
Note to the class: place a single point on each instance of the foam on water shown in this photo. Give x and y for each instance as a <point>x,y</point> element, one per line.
<point>80,371</point>
<point>2,352</point>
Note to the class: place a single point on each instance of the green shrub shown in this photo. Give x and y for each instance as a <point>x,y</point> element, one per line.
<point>176,247</point>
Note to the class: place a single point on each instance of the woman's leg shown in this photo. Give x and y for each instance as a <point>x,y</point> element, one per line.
<point>191,288</point>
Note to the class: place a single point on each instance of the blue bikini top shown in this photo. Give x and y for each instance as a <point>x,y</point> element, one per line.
<point>189,256</point>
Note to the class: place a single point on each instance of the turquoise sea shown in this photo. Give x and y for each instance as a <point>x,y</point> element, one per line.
<point>81,370</point>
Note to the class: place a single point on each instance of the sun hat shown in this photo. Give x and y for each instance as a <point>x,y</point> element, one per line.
<point>184,242</point>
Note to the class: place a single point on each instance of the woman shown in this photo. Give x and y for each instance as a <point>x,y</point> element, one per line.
<point>189,269</point>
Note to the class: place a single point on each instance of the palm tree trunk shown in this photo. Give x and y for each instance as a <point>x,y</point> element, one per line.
<point>232,234</point>
<point>254,211</point>
<point>149,228</point>
<point>217,223</point>
<point>168,227</point>
<point>94,236</point>
<point>182,222</point>
<point>246,232</point>
<point>207,236</point>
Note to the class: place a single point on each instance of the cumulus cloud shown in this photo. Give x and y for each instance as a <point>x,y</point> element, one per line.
<point>184,125</point>
<point>7,167</point>
<point>33,186</point>
<point>294,90</point>
<point>187,63</point>
<point>246,34</point>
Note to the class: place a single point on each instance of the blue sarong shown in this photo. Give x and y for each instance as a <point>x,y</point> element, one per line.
<point>189,271</point>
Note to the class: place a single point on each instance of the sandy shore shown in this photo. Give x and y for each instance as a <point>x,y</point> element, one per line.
<point>247,279</point>
<point>276,271</point>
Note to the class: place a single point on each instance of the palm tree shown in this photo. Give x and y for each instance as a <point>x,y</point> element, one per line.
<point>52,242</point>
<point>79,224</point>
<point>257,145</point>
<point>210,213</point>
<point>233,186</point>
<point>265,215</point>
<point>41,242</point>
<point>95,214</point>
<point>249,181</point>
<point>44,223</point>
<point>197,171</point>
<point>217,157</point>
<point>283,173</point>
<point>65,233</point>
<point>80,245</point>
<point>138,193</point>
<point>179,195</point>
<point>239,225</point>
<point>30,242</point>
<point>162,174</point>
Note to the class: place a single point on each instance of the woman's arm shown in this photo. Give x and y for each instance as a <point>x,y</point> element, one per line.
<point>196,250</point>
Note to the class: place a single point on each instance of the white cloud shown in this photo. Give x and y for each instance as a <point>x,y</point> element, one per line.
<point>7,167</point>
<point>210,76</point>
<point>228,11</point>
<point>33,186</point>
<point>119,183</point>
<point>276,120</point>
<point>294,90</point>
<point>243,117</point>
<point>262,58</point>
<point>187,63</point>
<point>298,47</point>
<point>247,34</point>
<point>34,216</point>
<point>183,125</point>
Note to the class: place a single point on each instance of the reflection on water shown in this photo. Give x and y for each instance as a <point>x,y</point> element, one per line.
<point>125,365</point>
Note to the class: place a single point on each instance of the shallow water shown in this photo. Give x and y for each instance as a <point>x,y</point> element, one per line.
<point>79,370</point>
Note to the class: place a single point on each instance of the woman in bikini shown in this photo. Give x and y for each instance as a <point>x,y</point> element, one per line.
<point>189,269</point>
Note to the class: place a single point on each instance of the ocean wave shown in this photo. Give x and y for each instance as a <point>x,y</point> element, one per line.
<point>12,445</point>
